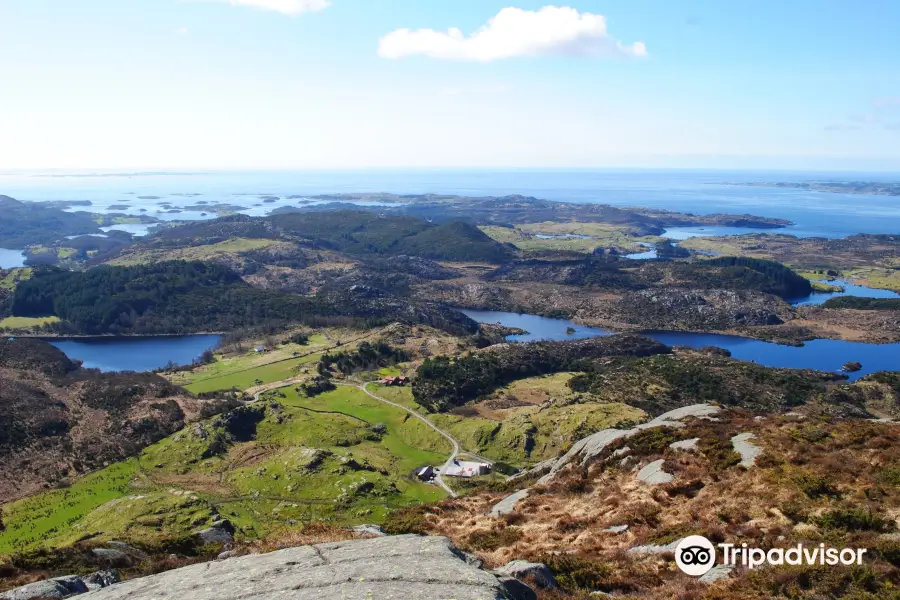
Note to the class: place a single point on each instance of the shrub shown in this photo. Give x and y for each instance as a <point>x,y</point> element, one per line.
<point>852,519</point>
<point>492,539</point>
<point>406,520</point>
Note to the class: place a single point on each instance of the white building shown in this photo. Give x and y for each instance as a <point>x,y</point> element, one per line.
<point>464,468</point>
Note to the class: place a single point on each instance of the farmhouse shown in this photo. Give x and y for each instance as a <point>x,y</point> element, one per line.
<point>464,468</point>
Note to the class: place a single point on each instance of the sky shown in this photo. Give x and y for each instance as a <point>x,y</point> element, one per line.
<point>348,84</point>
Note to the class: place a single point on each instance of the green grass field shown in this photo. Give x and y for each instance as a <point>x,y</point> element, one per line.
<point>52,517</point>
<point>242,379</point>
<point>26,322</point>
<point>342,457</point>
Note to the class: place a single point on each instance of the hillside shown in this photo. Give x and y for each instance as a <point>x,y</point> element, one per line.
<point>58,421</point>
<point>192,296</point>
<point>605,526</point>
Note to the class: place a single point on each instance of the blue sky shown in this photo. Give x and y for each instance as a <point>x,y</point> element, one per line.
<point>276,84</point>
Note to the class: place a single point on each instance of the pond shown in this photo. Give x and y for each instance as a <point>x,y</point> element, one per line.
<point>10,259</point>
<point>136,353</point>
<point>850,289</point>
<point>822,355</point>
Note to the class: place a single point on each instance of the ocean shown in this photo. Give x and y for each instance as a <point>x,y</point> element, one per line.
<point>699,192</point>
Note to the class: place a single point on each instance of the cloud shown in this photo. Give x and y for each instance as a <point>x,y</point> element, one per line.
<point>182,31</point>
<point>514,32</point>
<point>842,127</point>
<point>286,7</point>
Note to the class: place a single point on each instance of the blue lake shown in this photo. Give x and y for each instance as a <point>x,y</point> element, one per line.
<point>136,353</point>
<point>822,355</point>
<point>859,291</point>
<point>10,259</point>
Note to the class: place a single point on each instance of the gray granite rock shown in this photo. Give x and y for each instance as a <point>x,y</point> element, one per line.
<point>112,558</point>
<point>508,504</point>
<point>214,536</point>
<point>60,587</point>
<point>398,567</point>
<point>517,590</point>
<point>654,474</point>
<point>101,579</point>
<point>716,573</point>
<point>748,450</point>
<point>617,529</point>
<point>138,555</point>
<point>368,530</point>
<point>587,448</point>
<point>685,445</point>
<point>522,569</point>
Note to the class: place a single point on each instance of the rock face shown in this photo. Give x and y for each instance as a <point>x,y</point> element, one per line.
<point>406,566</point>
<point>747,449</point>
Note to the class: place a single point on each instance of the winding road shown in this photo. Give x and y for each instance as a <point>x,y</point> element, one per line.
<point>454,444</point>
<point>455,452</point>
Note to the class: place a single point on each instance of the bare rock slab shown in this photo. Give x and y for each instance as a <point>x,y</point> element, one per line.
<point>397,567</point>
<point>654,474</point>
<point>748,450</point>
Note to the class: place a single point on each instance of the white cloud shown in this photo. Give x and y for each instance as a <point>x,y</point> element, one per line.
<point>514,32</point>
<point>182,31</point>
<point>287,7</point>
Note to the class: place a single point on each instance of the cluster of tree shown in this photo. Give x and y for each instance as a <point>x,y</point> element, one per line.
<point>25,224</point>
<point>612,272</point>
<point>442,383</point>
<point>765,275</point>
<point>863,303</point>
<point>366,357</point>
<point>170,297</point>
<point>657,384</point>
<point>315,386</point>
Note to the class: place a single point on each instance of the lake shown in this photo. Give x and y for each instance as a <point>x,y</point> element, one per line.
<point>136,353</point>
<point>695,191</point>
<point>850,289</point>
<point>10,259</point>
<point>822,355</point>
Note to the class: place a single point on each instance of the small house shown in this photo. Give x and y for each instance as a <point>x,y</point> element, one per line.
<point>395,380</point>
<point>425,473</point>
<point>259,349</point>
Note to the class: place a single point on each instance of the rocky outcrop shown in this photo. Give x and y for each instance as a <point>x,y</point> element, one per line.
<point>406,566</point>
<point>522,569</point>
<point>747,449</point>
<point>62,587</point>
<point>586,449</point>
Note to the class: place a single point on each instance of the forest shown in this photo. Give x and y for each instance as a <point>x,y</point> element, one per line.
<point>443,382</point>
<point>169,297</point>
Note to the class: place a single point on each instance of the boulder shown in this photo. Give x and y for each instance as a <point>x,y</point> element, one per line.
<point>112,558</point>
<point>101,579</point>
<point>368,530</point>
<point>220,533</point>
<point>522,569</point>
<point>60,587</point>
<point>654,474</point>
<point>517,590</point>
<point>508,504</point>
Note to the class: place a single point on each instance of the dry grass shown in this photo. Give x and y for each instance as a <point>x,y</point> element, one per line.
<point>823,481</point>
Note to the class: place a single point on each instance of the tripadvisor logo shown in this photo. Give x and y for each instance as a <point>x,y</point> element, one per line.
<point>696,555</point>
